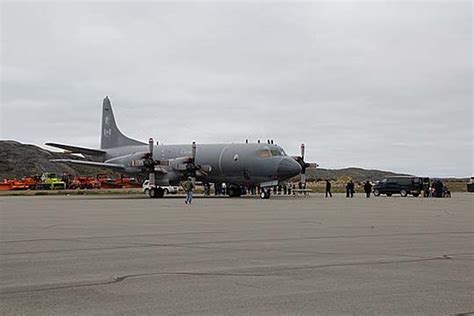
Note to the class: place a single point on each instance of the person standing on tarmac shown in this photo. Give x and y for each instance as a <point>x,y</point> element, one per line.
<point>350,189</point>
<point>367,189</point>
<point>328,188</point>
<point>188,187</point>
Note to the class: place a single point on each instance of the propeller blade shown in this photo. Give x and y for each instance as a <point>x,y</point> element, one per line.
<point>302,152</point>
<point>193,152</point>
<point>151,177</point>
<point>205,168</point>
<point>150,147</point>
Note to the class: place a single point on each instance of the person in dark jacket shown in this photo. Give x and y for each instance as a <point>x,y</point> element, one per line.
<point>328,188</point>
<point>188,187</point>
<point>438,187</point>
<point>350,189</point>
<point>367,189</point>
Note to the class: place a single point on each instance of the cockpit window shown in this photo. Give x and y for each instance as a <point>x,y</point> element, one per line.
<point>273,152</point>
<point>265,153</point>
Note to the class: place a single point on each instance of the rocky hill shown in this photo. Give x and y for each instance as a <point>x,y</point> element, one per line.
<point>356,174</point>
<point>18,160</point>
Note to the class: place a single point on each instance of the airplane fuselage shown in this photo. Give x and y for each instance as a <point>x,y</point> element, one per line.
<point>248,163</point>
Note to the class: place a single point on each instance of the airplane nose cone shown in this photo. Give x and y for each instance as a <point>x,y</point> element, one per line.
<point>288,168</point>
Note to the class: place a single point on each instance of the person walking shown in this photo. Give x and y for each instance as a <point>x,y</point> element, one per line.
<point>367,189</point>
<point>188,187</point>
<point>350,189</point>
<point>328,188</point>
<point>207,189</point>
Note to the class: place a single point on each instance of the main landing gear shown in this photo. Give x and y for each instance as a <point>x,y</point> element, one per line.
<point>234,191</point>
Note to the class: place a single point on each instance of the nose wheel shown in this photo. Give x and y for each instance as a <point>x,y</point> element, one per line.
<point>265,194</point>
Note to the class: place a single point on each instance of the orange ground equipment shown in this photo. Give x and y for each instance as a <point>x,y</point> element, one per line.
<point>84,183</point>
<point>129,182</point>
<point>120,183</point>
<point>26,183</point>
<point>5,185</point>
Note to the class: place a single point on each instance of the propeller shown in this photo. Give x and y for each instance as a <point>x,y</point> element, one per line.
<point>187,165</point>
<point>191,166</point>
<point>304,165</point>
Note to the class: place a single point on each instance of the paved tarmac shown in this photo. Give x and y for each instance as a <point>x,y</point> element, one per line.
<point>106,255</point>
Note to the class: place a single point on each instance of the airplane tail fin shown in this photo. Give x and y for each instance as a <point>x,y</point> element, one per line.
<point>111,136</point>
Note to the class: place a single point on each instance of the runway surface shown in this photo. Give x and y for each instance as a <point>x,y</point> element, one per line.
<point>131,255</point>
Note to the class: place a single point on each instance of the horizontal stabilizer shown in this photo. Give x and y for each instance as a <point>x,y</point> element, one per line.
<point>78,150</point>
<point>91,163</point>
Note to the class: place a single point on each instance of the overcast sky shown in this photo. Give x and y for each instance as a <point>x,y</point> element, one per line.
<point>368,84</point>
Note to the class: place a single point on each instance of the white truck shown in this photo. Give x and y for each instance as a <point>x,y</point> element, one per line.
<point>146,187</point>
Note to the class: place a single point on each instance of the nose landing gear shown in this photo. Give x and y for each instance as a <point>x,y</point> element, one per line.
<point>265,194</point>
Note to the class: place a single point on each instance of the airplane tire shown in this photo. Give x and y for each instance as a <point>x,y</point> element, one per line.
<point>147,192</point>
<point>403,193</point>
<point>152,193</point>
<point>376,192</point>
<point>233,191</point>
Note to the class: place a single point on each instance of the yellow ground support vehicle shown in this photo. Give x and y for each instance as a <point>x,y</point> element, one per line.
<point>49,181</point>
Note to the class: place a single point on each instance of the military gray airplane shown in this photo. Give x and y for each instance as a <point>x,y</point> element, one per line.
<point>236,164</point>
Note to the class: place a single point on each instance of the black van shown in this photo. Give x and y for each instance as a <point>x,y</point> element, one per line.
<point>402,186</point>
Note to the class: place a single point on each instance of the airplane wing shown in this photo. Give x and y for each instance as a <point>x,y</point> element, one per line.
<point>78,150</point>
<point>91,163</point>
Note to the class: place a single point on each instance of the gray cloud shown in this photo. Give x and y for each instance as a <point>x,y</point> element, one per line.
<point>378,85</point>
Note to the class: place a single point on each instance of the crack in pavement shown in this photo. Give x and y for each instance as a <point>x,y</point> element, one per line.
<point>145,245</point>
<point>269,272</point>
<point>298,251</point>
<point>116,236</point>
